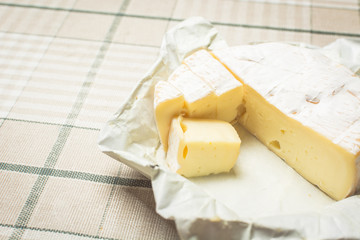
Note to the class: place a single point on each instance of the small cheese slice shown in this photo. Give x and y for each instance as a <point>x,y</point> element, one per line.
<point>168,102</point>
<point>200,100</point>
<point>305,108</point>
<point>199,147</point>
<point>228,90</point>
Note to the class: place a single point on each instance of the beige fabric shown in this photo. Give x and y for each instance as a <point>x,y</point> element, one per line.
<point>67,66</point>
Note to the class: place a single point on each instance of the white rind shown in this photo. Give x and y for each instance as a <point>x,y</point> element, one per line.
<point>191,85</point>
<point>176,136</point>
<point>165,91</point>
<point>211,71</point>
<point>303,84</point>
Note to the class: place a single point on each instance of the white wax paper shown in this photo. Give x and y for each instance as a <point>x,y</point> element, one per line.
<point>261,198</point>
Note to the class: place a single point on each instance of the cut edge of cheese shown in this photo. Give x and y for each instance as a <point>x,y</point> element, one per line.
<point>323,163</point>
<point>228,90</point>
<point>200,147</point>
<point>175,143</point>
<point>168,102</point>
<point>200,99</point>
<point>316,158</point>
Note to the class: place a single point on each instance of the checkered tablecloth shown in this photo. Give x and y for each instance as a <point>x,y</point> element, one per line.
<point>67,66</point>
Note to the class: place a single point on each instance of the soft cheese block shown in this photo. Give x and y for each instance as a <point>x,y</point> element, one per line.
<point>228,90</point>
<point>305,108</point>
<point>168,102</point>
<point>199,147</point>
<point>200,100</point>
<point>204,86</point>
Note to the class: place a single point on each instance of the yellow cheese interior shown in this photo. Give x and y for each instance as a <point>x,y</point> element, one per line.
<point>316,158</point>
<point>202,146</point>
<point>202,108</point>
<point>227,105</point>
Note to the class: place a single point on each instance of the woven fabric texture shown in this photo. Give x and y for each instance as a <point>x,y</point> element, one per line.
<point>67,66</point>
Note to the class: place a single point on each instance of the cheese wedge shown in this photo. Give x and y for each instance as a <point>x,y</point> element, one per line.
<point>199,147</point>
<point>204,86</point>
<point>168,102</point>
<point>305,108</point>
<point>200,100</point>
<point>228,90</point>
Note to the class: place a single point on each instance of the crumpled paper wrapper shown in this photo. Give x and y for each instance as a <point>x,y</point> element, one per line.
<point>261,198</point>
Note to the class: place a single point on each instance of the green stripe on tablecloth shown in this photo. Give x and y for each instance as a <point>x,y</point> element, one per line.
<point>54,231</point>
<point>64,131</point>
<point>97,178</point>
<point>107,206</point>
<point>252,26</point>
<point>282,29</point>
<point>298,4</point>
<point>122,9</point>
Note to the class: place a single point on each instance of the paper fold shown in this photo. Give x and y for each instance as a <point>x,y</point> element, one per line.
<point>131,137</point>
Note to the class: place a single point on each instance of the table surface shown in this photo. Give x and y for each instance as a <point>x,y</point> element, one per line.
<point>67,66</point>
